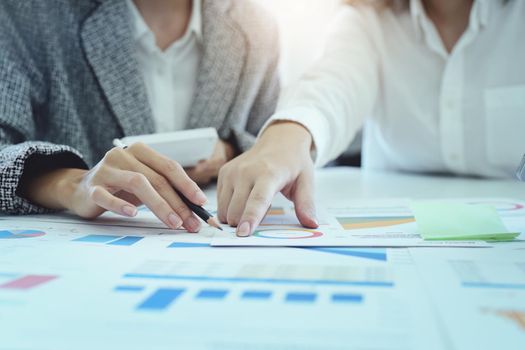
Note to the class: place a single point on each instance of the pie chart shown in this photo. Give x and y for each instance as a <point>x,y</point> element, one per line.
<point>10,234</point>
<point>501,205</point>
<point>287,233</point>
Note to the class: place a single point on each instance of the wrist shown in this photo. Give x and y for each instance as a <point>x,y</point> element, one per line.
<point>66,183</point>
<point>286,135</point>
<point>229,151</point>
<point>54,189</point>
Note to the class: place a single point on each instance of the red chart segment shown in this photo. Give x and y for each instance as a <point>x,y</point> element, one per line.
<point>27,282</point>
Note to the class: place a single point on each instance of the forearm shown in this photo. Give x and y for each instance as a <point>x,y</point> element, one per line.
<point>333,97</point>
<point>21,163</point>
<point>53,189</point>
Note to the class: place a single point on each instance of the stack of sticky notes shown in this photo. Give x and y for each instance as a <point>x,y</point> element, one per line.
<point>458,221</point>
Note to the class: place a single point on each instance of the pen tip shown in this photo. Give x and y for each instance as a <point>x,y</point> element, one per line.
<point>213,222</point>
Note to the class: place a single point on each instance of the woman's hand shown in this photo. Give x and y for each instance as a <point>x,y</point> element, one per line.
<point>123,179</point>
<point>279,161</point>
<point>207,170</point>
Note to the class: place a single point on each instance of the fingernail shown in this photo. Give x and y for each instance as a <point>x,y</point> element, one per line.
<point>313,216</point>
<point>174,221</point>
<point>244,229</point>
<point>192,224</point>
<point>128,210</point>
<point>201,198</point>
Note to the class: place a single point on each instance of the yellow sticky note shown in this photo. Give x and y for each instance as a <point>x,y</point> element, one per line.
<point>457,221</point>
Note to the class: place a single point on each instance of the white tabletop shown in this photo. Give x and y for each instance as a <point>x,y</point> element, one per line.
<point>343,183</point>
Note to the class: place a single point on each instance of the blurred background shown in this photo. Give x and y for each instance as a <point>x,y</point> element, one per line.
<point>303,25</point>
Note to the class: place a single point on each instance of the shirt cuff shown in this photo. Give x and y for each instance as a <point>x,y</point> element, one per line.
<point>312,121</point>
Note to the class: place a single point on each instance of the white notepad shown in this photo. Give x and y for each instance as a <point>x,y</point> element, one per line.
<point>187,147</point>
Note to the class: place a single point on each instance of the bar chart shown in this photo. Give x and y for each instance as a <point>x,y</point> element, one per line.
<point>161,299</point>
<point>109,240</point>
<point>279,216</point>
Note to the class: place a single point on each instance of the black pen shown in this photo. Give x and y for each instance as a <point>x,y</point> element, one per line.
<point>198,210</point>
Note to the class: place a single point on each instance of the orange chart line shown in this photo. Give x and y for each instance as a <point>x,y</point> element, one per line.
<point>364,223</point>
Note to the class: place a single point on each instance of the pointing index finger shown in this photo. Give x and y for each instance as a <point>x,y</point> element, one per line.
<point>257,205</point>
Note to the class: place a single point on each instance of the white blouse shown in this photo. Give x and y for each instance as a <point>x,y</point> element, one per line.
<point>170,76</point>
<point>423,109</point>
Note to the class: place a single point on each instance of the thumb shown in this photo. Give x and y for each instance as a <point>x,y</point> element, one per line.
<point>303,199</point>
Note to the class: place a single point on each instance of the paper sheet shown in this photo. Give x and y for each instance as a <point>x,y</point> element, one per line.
<point>478,293</point>
<point>377,223</point>
<point>374,223</point>
<point>200,298</point>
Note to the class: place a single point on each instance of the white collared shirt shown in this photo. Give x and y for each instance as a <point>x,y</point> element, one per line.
<point>170,76</point>
<point>424,109</point>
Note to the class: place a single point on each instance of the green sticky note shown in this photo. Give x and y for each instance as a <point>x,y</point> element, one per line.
<point>456,221</point>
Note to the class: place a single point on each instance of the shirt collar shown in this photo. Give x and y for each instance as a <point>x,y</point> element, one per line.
<point>484,11</point>
<point>142,30</point>
<point>417,13</point>
<point>195,25</point>
<point>479,14</point>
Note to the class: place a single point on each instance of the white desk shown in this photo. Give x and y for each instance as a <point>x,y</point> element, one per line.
<point>346,183</point>
<point>145,296</point>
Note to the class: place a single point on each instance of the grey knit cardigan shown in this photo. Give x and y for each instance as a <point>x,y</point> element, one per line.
<point>70,83</point>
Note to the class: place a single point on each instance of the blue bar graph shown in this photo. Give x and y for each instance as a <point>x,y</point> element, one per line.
<point>492,285</point>
<point>127,240</point>
<point>256,294</point>
<point>301,297</point>
<point>129,288</point>
<point>161,299</point>
<point>110,240</point>
<point>212,294</point>
<point>347,298</point>
<point>188,245</point>
<point>97,238</point>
